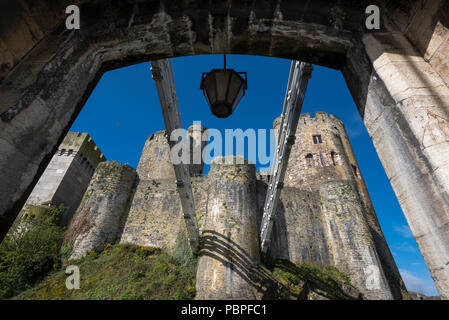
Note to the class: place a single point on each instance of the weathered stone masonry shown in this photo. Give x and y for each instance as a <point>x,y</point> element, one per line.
<point>398,76</point>
<point>325,154</point>
<point>230,242</point>
<point>66,177</point>
<point>103,210</point>
<point>324,217</point>
<point>154,217</point>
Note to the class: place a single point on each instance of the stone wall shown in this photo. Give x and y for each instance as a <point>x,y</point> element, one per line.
<point>230,244</point>
<point>103,210</point>
<point>322,152</point>
<point>299,227</point>
<point>329,227</point>
<point>67,176</point>
<point>155,159</point>
<point>352,248</point>
<point>409,62</point>
<point>155,218</point>
<point>398,77</point>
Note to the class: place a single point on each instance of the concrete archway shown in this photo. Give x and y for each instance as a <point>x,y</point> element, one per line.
<point>398,76</point>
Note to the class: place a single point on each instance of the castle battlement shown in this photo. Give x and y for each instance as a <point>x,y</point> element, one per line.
<point>67,175</point>
<point>307,119</point>
<point>83,145</point>
<point>322,152</point>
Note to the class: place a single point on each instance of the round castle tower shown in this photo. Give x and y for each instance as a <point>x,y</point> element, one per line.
<point>322,151</point>
<point>155,162</point>
<point>230,240</point>
<point>321,156</point>
<point>100,216</point>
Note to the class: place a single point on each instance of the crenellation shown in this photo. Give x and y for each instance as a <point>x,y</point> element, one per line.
<point>68,174</point>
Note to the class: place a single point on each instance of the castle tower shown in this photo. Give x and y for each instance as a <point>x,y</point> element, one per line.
<point>197,136</point>
<point>155,162</point>
<point>352,248</point>
<point>230,239</point>
<point>67,175</point>
<point>101,215</point>
<point>322,154</point>
<point>155,215</point>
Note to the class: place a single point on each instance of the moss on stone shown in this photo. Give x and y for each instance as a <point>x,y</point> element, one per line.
<point>282,279</point>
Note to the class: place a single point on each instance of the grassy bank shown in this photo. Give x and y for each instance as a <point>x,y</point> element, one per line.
<point>121,272</point>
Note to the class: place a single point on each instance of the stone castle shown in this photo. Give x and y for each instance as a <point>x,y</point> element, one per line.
<point>66,177</point>
<point>325,215</point>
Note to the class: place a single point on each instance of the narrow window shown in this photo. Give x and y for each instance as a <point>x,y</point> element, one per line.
<point>323,162</point>
<point>317,139</point>
<point>309,161</point>
<point>355,171</point>
<point>333,158</point>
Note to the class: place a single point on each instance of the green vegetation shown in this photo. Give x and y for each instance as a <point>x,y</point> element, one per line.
<point>30,249</point>
<point>182,252</point>
<point>121,272</point>
<point>32,266</point>
<point>406,295</point>
<point>282,280</point>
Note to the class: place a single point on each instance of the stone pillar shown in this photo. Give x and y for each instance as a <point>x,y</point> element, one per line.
<point>404,103</point>
<point>103,210</point>
<point>353,250</point>
<point>230,239</point>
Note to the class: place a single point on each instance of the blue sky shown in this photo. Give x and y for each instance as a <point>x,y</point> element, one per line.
<point>124,110</point>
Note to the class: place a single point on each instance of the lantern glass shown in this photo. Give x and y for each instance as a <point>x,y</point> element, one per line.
<point>235,86</point>
<point>222,81</point>
<point>223,89</point>
<point>210,92</point>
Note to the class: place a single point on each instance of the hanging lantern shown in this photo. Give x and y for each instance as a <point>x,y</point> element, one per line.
<point>223,89</point>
